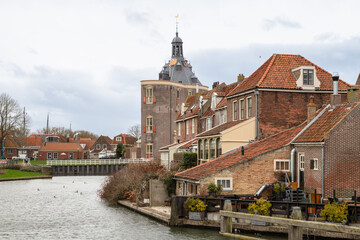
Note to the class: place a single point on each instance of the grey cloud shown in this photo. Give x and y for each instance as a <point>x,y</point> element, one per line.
<point>269,24</point>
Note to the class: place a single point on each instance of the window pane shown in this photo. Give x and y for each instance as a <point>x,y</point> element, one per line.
<point>287,166</point>
<point>218,182</point>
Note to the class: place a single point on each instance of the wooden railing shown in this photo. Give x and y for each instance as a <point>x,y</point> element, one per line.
<point>95,161</point>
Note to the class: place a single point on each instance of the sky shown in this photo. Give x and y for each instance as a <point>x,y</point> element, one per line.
<point>82,61</point>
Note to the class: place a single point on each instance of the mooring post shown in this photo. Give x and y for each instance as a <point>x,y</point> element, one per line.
<point>174,216</point>
<point>295,232</point>
<point>226,222</point>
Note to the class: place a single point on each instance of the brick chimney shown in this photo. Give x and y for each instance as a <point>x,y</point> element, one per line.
<point>215,84</point>
<point>240,78</point>
<point>353,94</point>
<point>311,110</point>
<point>335,98</point>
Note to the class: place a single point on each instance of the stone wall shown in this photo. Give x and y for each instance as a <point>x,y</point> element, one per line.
<point>158,193</point>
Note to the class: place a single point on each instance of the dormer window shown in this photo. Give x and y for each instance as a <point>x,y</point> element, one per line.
<point>306,77</point>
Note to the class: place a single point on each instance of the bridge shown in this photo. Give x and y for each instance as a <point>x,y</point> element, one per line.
<point>86,167</point>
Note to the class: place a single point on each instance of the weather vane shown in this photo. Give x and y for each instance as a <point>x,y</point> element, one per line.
<point>177,16</point>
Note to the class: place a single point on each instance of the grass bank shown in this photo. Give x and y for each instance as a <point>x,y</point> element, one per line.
<point>38,162</point>
<point>10,173</point>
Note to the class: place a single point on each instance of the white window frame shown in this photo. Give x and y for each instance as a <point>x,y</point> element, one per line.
<point>149,124</point>
<point>149,149</point>
<point>179,129</point>
<point>301,161</point>
<point>248,110</point>
<point>242,109</point>
<point>187,127</point>
<point>316,166</point>
<point>149,95</point>
<point>208,123</point>
<point>55,155</point>
<point>193,126</point>
<point>98,146</point>
<point>230,179</point>
<point>235,110</point>
<point>104,146</point>
<point>49,155</point>
<point>118,139</point>
<point>281,161</point>
<point>71,155</point>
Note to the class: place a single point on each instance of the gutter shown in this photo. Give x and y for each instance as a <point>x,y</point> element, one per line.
<point>187,180</point>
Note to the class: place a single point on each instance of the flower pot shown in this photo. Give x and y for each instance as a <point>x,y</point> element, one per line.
<point>199,216</point>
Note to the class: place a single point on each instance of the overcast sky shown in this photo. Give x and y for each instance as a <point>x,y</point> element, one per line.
<point>82,61</point>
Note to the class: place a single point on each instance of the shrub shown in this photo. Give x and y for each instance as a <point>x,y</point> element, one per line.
<point>278,188</point>
<point>212,187</point>
<point>261,207</point>
<point>334,212</point>
<point>31,168</point>
<point>170,183</point>
<point>194,205</point>
<point>189,160</point>
<point>12,166</point>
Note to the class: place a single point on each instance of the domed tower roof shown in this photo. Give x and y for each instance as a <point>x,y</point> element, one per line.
<point>177,39</point>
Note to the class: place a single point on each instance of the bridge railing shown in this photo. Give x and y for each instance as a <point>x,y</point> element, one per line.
<point>95,161</point>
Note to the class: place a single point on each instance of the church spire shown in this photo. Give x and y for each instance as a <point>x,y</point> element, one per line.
<point>177,50</point>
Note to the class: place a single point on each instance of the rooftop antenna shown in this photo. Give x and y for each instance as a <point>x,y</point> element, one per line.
<point>47,124</point>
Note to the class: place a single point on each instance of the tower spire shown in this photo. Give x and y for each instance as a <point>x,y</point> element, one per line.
<point>177,23</point>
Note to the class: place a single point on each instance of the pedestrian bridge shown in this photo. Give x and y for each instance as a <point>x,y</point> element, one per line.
<point>90,167</point>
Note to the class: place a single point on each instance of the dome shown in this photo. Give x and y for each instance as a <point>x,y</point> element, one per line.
<point>177,39</point>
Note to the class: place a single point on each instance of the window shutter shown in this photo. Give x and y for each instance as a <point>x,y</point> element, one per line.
<point>154,99</point>
<point>154,129</point>
<point>144,129</point>
<point>312,164</point>
<point>144,99</point>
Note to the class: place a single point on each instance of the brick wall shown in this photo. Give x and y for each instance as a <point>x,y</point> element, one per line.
<point>250,175</point>
<point>342,158</point>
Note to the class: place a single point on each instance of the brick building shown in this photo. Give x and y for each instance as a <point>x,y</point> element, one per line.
<point>61,151</point>
<point>161,100</point>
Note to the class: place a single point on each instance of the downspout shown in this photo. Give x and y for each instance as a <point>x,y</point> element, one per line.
<point>256,92</point>
<point>322,173</point>
<point>292,165</point>
<point>170,112</point>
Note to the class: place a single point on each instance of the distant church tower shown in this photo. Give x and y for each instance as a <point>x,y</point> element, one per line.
<point>161,100</point>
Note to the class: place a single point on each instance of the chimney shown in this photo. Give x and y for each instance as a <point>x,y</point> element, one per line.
<point>215,84</point>
<point>311,110</point>
<point>242,150</point>
<point>353,94</point>
<point>240,78</point>
<point>358,80</point>
<point>335,98</point>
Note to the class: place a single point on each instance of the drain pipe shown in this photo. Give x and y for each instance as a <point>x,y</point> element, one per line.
<point>323,173</point>
<point>292,166</point>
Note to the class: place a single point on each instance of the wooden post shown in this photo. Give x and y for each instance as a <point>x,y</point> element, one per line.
<point>174,217</point>
<point>226,222</point>
<point>295,232</point>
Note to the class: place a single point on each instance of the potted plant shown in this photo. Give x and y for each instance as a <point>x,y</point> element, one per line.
<point>195,207</point>
<point>335,212</point>
<point>260,207</point>
<point>214,190</point>
<point>278,189</point>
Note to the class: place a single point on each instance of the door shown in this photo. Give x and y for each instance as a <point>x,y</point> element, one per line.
<point>301,166</point>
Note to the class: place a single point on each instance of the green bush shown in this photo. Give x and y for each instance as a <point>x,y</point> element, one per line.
<point>334,212</point>
<point>189,160</point>
<point>194,205</point>
<point>278,188</point>
<point>170,183</point>
<point>212,187</point>
<point>261,206</point>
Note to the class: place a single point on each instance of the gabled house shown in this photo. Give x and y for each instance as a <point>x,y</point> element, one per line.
<point>102,143</point>
<point>61,151</point>
<point>276,94</point>
<point>126,139</point>
<point>243,170</point>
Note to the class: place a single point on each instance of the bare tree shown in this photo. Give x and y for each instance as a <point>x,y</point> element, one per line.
<point>66,131</point>
<point>134,131</point>
<point>10,116</point>
<point>24,128</point>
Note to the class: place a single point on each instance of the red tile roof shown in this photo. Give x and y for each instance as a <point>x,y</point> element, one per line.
<point>251,150</point>
<point>276,73</point>
<point>222,103</point>
<point>321,128</point>
<point>66,147</point>
<point>216,130</point>
<point>125,139</point>
<point>208,113</point>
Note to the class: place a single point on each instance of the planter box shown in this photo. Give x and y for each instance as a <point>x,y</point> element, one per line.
<point>199,216</point>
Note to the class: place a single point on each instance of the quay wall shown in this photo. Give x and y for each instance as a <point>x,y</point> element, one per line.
<point>86,170</point>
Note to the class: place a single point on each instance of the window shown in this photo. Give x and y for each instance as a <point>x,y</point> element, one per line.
<point>190,93</point>
<point>222,118</point>
<point>225,182</point>
<point>235,111</point>
<point>212,148</point>
<point>104,146</point>
<point>149,95</point>
<point>249,107</point>
<point>282,165</point>
<point>178,93</point>
<point>49,155</point>
<point>314,164</point>
<point>71,155</point>
<point>149,150</point>
<point>208,123</point>
<point>9,151</point>
<point>206,149</point>
<point>97,146</point>
<point>193,126</point>
<point>201,149</point>
<point>179,129</point>
<point>308,75</point>
<point>187,127</point>
<point>149,124</point>
<point>55,154</point>
<point>242,109</point>
<point>218,147</point>
<point>301,161</point>
<point>118,139</point>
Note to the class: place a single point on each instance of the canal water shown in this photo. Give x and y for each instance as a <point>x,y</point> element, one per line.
<point>69,208</point>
